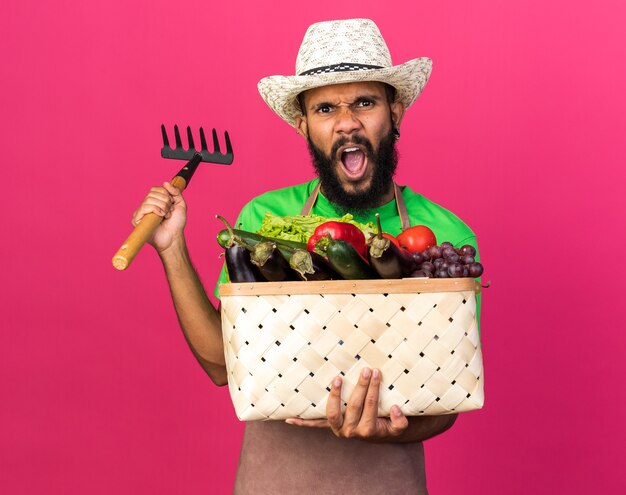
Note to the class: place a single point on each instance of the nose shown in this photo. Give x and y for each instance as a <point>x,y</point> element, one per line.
<point>346,121</point>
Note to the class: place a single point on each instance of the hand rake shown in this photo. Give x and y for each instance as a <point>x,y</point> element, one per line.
<point>143,231</point>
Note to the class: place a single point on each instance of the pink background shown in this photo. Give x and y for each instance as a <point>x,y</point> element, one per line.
<point>520,131</point>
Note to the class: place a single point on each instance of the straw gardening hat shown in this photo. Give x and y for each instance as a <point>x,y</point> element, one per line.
<point>344,51</point>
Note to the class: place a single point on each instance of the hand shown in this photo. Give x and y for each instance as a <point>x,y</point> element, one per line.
<point>361,417</point>
<point>166,202</point>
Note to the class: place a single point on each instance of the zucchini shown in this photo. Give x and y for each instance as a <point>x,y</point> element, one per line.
<point>346,261</point>
<point>224,239</point>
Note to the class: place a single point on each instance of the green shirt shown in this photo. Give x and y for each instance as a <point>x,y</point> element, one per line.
<point>290,200</point>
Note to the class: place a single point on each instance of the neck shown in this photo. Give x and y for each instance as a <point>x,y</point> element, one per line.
<point>391,193</point>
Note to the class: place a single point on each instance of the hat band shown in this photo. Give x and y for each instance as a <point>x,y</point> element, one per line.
<point>343,67</point>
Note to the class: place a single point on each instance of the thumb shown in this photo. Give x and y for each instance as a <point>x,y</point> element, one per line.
<point>171,188</point>
<point>398,421</point>
<point>177,194</point>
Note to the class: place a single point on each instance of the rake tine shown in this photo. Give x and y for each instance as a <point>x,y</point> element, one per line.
<point>202,140</point>
<point>166,142</point>
<point>179,143</point>
<point>190,139</point>
<point>178,152</point>
<point>229,148</point>
<point>216,143</point>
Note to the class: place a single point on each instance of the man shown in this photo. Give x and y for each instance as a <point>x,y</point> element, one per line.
<point>347,101</point>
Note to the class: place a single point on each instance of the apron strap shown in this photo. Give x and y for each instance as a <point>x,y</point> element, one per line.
<point>308,206</point>
<point>404,216</point>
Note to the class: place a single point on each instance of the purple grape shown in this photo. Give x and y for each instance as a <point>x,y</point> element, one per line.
<point>448,251</point>
<point>438,262</point>
<point>434,252</point>
<point>442,274</point>
<point>426,254</point>
<point>468,250</point>
<point>453,258</point>
<point>418,258</point>
<point>466,259</point>
<point>475,270</point>
<point>419,274</point>
<point>428,266</point>
<point>446,244</point>
<point>455,270</point>
<point>465,271</point>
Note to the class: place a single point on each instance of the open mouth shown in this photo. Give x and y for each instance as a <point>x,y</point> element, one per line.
<point>354,161</point>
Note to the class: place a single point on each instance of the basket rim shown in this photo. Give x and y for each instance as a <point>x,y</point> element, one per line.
<point>386,286</point>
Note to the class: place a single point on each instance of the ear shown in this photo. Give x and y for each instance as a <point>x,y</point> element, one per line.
<point>301,126</point>
<point>397,112</point>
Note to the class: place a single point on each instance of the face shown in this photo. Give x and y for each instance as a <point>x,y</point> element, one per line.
<point>349,131</point>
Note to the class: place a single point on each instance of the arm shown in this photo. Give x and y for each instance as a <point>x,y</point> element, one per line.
<point>198,318</point>
<point>361,420</point>
<point>424,427</point>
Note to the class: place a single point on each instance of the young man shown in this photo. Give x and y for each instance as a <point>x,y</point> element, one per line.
<point>347,100</point>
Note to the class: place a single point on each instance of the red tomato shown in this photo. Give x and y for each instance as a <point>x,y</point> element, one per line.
<point>391,238</point>
<point>417,239</point>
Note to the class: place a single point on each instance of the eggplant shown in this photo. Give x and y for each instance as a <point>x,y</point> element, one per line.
<point>239,265</point>
<point>271,262</point>
<point>312,266</point>
<point>392,262</point>
<point>389,260</point>
<point>238,262</point>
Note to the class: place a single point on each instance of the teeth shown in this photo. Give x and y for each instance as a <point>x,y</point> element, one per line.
<point>348,150</point>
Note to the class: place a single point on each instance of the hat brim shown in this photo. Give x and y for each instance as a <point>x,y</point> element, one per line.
<point>281,92</point>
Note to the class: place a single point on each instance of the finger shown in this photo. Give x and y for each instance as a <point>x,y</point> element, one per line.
<point>398,421</point>
<point>370,407</point>
<point>311,423</point>
<point>163,201</point>
<point>356,400</point>
<point>171,189</point>
<point>158,195</point>
<point>143,210</point>
<point>157,201</point>
<point>159,190</point>
<point>175,194</point>
<point>333,406</point>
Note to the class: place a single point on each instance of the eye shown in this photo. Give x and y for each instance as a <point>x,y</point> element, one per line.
<point>324,108</point>
<point>364,103</point>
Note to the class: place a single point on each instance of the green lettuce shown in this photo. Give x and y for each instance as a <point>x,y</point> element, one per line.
<point>300,227</point>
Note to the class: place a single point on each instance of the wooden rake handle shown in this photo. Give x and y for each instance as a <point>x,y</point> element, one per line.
<point>148,224</point>
<point>141,234</point>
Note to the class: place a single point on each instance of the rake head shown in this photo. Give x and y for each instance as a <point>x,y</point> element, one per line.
<point>179,153</point>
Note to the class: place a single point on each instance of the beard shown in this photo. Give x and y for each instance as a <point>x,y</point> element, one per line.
<point>384,162</point>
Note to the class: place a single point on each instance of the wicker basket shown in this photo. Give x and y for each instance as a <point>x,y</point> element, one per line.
<point>284,342</point>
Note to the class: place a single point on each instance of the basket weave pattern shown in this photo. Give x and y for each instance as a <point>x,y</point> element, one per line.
<point>283,350</point>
